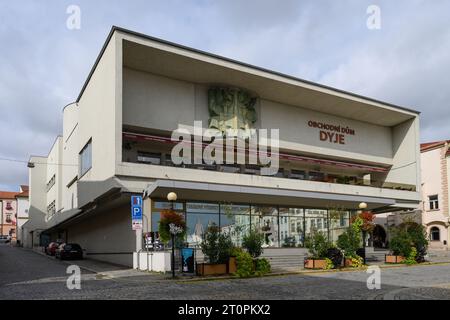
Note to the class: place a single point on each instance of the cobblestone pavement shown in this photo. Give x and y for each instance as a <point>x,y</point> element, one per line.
<point>27,275</point>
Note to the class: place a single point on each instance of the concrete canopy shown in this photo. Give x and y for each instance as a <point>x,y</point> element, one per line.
<point>194,191</point>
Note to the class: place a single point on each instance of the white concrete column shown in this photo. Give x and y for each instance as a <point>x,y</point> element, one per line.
<point>147,214</point>
<point>146,222</point>
<point>138,240</point>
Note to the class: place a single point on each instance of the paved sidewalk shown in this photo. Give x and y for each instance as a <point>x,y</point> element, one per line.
<point>103,269</point>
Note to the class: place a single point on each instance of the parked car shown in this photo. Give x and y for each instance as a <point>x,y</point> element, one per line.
<point>4,239</point>
<point>51,248</point>
<point>69,251</point>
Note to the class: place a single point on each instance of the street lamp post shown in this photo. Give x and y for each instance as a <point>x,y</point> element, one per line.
<point>174,230</point>
<point>363,206</point>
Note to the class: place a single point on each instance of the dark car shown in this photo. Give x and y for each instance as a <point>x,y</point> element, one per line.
<point>4,239</point>
<point>51,248</point>
<point>69,251</point>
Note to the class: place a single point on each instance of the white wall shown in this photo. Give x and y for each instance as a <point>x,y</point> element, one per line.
<point>37,181</point>
<point>431,183</point>
<point>22,215</point>
<point>71,151</point>
<point>54,167</point>
<point>370,143</point>
<point>107,236</point>
<point>97,116</point>
<point>406,154</point>
<point>157,102</point>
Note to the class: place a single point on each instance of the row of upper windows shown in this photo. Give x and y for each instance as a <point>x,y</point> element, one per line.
<point>84,164</point>
<point>51,182</point>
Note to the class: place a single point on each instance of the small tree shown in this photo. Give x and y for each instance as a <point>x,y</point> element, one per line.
<point>364,221</point>
<point>253,242</point>
<point>216,246</point>
<point>318,245</point>
<point>400,243</point>
<point>350,241</point>
<point>409,237</point>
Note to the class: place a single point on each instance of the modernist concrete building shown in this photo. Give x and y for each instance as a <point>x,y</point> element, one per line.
<point>336,150</point>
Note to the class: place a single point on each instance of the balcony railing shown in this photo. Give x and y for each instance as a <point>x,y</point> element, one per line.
<point>156,150</point>
<point>306,175</point>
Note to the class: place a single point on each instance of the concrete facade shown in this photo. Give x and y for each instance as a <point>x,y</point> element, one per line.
<point>141,87</point>
<point>435,179</point>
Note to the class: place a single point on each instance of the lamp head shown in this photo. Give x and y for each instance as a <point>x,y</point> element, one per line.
<point>363,205</point>
<point>172,196</point>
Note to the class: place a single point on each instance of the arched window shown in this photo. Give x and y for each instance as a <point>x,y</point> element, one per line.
<point>435,234</point>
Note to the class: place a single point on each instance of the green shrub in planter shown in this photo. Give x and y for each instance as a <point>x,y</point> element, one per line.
<point>411,259</point>
<point>262,267</point>
<point>253,242</point>
<point>216,246</point>
<point>318,245</point>
<point>349,242</point>
<point>401,244</point>
<point>409,239</point>
<point>244,263</point>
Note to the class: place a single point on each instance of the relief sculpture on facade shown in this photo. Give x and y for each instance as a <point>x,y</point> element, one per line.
<point>231,108</point>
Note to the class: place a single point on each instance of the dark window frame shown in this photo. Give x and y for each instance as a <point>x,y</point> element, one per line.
<point>80,157</point>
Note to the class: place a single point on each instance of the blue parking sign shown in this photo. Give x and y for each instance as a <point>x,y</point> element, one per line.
<point>136,208</point>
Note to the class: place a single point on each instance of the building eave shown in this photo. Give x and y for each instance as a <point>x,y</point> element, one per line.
<point>215,56</point>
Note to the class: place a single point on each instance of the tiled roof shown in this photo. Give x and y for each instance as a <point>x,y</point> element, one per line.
<point>8,195</point>
<point>23,194</point>
<point>432,145</point>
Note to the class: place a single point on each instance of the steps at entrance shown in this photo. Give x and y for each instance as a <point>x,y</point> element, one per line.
<point>376,256</point>
<point>281,263</point>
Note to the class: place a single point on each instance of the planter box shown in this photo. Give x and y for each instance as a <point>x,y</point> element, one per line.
<point>232,265</point>
<point>315,264</point>
<point>348,263</point>
<point>394,259</point>
<point>209,269</point>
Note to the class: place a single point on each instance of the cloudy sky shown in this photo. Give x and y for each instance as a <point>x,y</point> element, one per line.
<point>43,64</point>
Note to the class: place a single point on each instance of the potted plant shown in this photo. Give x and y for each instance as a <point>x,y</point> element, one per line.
<point>349,242</point>
<point>400,246</point>
<point>253,242</point>
<point>408,244</point>
<point>217,248</point>
<point>318,246</point>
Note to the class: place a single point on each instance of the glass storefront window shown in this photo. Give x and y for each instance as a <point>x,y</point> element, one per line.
<point>280,226</point>
<point>291,227</point>
<point>236,226</point>
<point>161,205</point>
<point>231,209</point>
<point>316,220</point>
<point>339,222</point>
<point>200,216</point>
<point>265,220</point>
